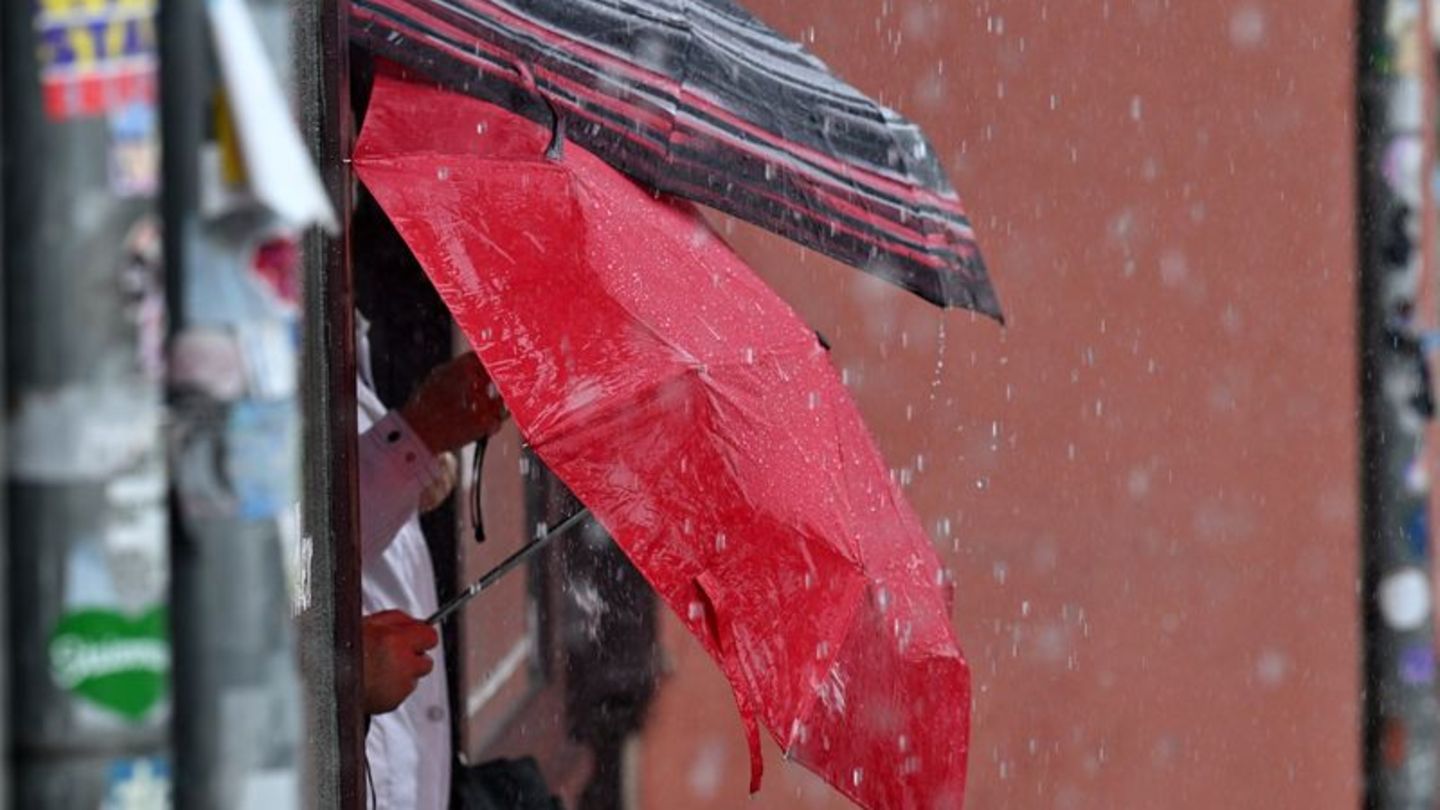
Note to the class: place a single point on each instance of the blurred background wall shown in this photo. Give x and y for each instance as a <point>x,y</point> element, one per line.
<point>1146,483</point>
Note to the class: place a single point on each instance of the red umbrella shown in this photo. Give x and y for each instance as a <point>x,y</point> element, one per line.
<point>701,422</point>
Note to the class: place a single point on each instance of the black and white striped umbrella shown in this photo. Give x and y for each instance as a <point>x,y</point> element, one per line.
<point>699,99</point>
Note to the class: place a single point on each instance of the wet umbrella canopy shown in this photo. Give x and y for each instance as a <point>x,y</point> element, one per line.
<point>701,422</point>
<point>699,99</point>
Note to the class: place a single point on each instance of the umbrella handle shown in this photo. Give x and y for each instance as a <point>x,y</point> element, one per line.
<point>494,574</point>
<point>556,150</point>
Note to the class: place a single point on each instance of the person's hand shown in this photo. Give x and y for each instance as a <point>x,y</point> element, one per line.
<point>393,648</point>
<point>455,405</point>
<point>432,496</point>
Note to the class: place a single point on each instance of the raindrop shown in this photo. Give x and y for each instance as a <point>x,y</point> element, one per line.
<point>525,465</point>
<point>857,776</point>
<point>541,529</point>
<point>822,651</point>
<point>696,611</point>
<point>979,483</point>
<point>883,599</point>
<point>813,400</point>
<point>1025,608</point>
<point>480,128</point>
<point>904,743</point>
<point>1137,108</point>
<point>1247,27</point>
<point>1000,570</point>
<point>443,173</point>
<point>903,632</point>
<point>749,355</point>
<point>719,542</point>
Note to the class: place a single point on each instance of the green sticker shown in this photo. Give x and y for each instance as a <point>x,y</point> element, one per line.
<point>118,662</point>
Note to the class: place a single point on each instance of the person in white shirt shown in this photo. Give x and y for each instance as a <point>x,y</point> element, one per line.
<point>405,467</point>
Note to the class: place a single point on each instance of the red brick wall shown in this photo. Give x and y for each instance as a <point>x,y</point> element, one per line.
<point>1149,476</point>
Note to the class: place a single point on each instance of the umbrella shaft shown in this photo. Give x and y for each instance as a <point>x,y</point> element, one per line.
<point>494,574</point>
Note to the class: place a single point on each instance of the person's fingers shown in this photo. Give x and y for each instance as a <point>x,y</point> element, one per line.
<point>389,618</point>
<point>437,492</point>
<point>425,665</point>
<point>422,637</point>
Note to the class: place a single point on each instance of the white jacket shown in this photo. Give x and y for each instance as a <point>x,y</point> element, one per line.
<point>407,750</point>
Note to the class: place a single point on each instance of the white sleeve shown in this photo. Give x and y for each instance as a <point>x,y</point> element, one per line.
<point>394,468</point>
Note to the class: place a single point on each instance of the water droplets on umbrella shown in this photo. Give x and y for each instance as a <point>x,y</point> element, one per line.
<point>903,631</point>
<point>799,733</point>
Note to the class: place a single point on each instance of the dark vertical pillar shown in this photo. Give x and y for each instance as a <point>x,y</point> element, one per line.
<point>330,624</point>
<point>1401,715</point>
